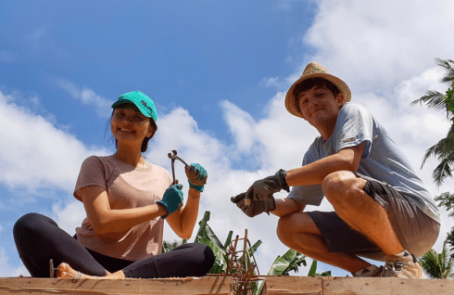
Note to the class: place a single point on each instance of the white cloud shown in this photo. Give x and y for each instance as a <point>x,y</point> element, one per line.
<point>70,216</point>
<point>274,81</point>
<point>7,270</point>
<point>375,44</point>
<point>34,153</point>
<point>87,96</point>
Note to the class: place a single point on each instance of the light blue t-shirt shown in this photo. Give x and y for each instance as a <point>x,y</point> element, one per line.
<point>382,160</point>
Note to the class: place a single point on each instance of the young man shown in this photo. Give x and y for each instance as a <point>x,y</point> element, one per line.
<point>382,210</point>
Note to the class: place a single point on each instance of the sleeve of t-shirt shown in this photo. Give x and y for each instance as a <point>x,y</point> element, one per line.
<point>92,173</point>
<point>308,194</point>
<point>354,125</point>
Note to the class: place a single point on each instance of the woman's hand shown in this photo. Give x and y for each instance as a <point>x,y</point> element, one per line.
<point>172,199</point>
<point>197,176</point>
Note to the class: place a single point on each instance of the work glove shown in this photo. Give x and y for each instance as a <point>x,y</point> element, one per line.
<point>197,176</point>
<point>172,199</point>
<point>260,195</point>
<point>256,207</point>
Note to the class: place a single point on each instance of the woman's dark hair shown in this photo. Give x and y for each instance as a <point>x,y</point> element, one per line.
<point>317,81</point>
<point>145,141</point>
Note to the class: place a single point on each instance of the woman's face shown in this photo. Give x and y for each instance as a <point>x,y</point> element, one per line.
<point>128,124</point>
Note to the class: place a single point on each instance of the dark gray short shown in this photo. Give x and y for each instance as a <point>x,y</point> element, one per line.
<point>416,231</point>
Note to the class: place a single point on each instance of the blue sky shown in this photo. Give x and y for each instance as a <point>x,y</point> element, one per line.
<point>218,72</point>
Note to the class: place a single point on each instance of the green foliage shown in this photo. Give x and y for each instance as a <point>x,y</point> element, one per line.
<point>282,265</point>
<point>313,271</point>
<point>437,266</point>
<point>290,261</point>
<point>446,200</point>
<point>169,246</point>
<point>443,150</point>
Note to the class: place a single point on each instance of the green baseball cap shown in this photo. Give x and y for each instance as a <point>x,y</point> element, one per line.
<point>141,101</point>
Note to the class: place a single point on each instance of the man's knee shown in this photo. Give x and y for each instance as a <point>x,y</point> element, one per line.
<point>340,185</point>
<point>334,182</point>
<point>284,228</point>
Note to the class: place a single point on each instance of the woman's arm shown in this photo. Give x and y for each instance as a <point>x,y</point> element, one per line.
<point>183,220</point>
<point>104,219</point>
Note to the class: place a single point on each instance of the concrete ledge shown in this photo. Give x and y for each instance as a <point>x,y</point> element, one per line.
<point>291,285</point>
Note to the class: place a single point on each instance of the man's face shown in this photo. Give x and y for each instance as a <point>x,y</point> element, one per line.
<point>319,106</point>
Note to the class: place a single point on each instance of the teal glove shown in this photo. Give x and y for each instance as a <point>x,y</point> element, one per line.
<point>172,199</point>
<point>197,176</point>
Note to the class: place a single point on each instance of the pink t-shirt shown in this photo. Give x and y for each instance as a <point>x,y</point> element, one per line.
<point>126,187</point>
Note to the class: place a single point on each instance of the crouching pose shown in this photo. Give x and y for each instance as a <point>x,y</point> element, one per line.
<point>126,199</point>
<point>381,211</point>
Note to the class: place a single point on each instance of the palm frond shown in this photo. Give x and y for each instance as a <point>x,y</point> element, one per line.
<point>443,171</point>
<point>448,66</point>
<point>450,240</point>
<point>443,152</point>
<point>446,200</point>
<point>433,99</point>
<point>437,266</point>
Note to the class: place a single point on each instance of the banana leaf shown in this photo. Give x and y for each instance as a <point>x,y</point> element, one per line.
<point>228,240</point>
<point>220,264</point>
<point>324,274</point>
<point>313,269</point>
<point>281,263</point>
<point>206,232</point>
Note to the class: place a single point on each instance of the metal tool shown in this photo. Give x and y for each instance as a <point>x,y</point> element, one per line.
<point>173,156</point>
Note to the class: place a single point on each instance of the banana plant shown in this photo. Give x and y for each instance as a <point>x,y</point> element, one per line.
<point>206,236</point>
<point>282,265</point>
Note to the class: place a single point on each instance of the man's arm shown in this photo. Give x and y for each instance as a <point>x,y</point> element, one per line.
<point>261,192</point>
<point>314,173</point>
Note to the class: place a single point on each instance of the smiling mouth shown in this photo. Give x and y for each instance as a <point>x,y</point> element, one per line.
<point>125,130</point>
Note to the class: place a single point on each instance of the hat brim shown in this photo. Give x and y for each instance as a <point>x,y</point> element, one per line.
<point>291,103</point>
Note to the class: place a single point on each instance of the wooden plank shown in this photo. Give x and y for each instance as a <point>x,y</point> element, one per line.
<point>386,286</point>
<point>286,285</point>
<point>188,286</point>
<point>293,285</point>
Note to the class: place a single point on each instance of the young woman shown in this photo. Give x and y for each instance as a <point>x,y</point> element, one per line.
<point>126,199</point>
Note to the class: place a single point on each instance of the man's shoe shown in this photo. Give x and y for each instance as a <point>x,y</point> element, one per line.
<point>405,267</point>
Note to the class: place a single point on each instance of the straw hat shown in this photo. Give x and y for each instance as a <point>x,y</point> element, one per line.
<point>314,70</point>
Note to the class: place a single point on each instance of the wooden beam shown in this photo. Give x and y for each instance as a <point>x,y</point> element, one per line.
<point>188,286</point>
<point>293,285</point>
<point>285,285</point>
<point>386,286</point>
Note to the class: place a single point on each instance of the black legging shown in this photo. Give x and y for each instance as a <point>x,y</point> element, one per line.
<point>39,239</point>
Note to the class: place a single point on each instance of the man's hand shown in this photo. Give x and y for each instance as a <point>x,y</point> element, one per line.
<point>264,189</point>
<point>256,208</point>
<point>259,197</point>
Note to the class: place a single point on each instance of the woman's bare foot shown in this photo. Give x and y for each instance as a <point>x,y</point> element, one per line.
<point>65,271</point>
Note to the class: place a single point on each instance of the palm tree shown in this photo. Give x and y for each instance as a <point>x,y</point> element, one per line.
<point>437,266</point>
<point>443,151</point>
